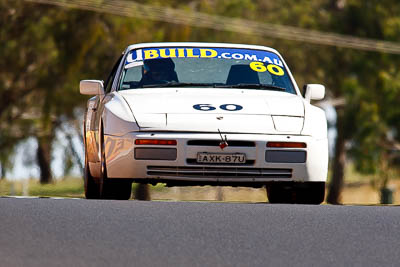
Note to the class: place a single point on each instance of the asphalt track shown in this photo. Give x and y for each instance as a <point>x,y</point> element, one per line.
<point>71,232</point>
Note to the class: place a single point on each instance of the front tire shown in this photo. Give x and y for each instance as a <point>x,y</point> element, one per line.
<point>120,189</point>
<point>297,193</point>
<point>92,188</point>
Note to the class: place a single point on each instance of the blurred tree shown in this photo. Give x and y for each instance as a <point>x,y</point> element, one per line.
<point>22,55</point>
<point>366,119</point>
<point>6,159</point>
<point>46,50</point>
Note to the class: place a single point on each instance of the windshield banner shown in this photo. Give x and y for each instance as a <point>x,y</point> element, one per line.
<point>198,52</point>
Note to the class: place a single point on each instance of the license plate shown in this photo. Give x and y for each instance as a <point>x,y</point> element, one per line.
<point>236,158</point>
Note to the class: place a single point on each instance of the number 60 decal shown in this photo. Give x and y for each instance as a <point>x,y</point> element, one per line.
<point>209,107</point>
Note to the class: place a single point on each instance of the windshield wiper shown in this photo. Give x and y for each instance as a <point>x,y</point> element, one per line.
<point>253,86</point>
<point>178,84</point>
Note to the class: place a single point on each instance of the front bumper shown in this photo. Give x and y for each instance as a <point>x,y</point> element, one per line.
<point>121,162</point>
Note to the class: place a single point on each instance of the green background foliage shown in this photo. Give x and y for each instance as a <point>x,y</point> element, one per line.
<point>46,50</point>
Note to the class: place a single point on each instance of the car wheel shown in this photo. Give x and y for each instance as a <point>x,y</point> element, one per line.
<point>301,193</point>
<point>92,188</point>
<point>311,193</point>
<point>280,194</point>
<point>120,189</point>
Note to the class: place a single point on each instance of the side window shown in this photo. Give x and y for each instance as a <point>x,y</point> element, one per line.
<point>110,79</point>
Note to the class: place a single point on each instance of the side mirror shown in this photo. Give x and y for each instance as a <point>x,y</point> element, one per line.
<point>314,91</point>
<point>91,87</point>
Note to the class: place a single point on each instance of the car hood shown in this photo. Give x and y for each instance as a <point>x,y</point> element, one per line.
<point>210,110</point>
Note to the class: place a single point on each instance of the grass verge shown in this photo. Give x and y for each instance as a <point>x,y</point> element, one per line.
<point>360,192</point>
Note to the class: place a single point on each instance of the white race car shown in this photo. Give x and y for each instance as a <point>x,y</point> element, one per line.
<point>204,114</point>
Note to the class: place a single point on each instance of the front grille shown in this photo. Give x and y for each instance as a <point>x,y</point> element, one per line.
<point>216,172</point>
<point>217,142</point>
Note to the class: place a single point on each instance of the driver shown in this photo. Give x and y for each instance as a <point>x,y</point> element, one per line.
<point>158,71</point>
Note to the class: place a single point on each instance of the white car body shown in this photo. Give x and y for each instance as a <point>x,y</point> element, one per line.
<point>171,114</point>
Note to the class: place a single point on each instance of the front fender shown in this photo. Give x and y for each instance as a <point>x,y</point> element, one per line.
<point>315,123</point>
<point>316,126</point>
<point>117,117</point>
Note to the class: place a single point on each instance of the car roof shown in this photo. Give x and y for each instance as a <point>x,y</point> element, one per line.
<point>200,44</point>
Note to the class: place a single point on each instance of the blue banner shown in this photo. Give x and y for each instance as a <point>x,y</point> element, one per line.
<point>200,52</point>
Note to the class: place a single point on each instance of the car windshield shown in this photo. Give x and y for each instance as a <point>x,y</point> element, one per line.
<point>205,67</point>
